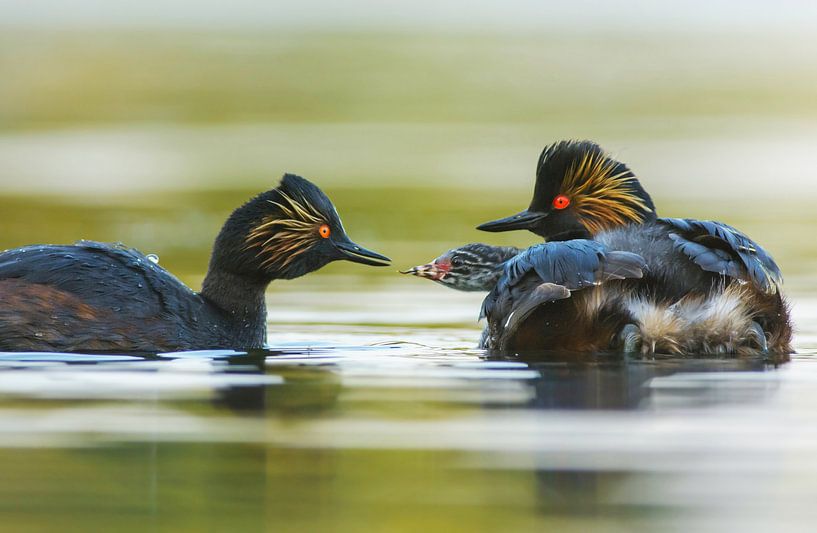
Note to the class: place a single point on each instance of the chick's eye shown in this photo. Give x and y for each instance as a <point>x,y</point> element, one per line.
<point>324,231</point>
<point>561,201</point>
<point>456,261</point>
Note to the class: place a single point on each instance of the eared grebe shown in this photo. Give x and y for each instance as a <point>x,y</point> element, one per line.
<point>102,298</point>
<point>706,287</point>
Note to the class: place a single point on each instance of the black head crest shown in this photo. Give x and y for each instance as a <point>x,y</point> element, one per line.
<point>303,216</point>
<point>306,194</point>
<point>601,191</point>
<point>286,232</point>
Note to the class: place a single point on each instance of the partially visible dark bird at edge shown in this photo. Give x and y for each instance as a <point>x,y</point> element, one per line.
<point>703,286</point>
<point>96,297</point>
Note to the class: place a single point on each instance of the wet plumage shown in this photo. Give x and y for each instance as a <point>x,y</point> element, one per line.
<point>719,248</point>
<point>706,287</point>
<point>548,273</point>
<point>99,297</point>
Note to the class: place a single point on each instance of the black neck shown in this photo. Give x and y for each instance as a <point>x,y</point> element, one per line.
<point>240,297</point>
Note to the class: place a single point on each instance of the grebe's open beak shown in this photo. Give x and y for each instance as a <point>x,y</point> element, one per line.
<point>430,271</point>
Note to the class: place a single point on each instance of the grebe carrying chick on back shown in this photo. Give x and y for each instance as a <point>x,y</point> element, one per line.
<point>641,283</point>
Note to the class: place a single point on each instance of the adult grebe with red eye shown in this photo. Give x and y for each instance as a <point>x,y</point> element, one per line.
<point>561,201</point>
<point>96,297</point>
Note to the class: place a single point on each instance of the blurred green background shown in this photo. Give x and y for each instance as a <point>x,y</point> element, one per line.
<point>148,126</point>
<point>147,122</point>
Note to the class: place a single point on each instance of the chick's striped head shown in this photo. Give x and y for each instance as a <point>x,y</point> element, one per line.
<point>473,267</point>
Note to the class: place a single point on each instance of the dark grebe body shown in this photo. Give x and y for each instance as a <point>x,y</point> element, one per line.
<point>96,297</point>
<point>612,275</point>
<point>706,287</point>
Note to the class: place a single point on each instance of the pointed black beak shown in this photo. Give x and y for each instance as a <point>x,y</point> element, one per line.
<point>524,220</point>
<point>357,254</point>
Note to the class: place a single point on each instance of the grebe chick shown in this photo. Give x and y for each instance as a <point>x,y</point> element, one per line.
<point>472,267</point>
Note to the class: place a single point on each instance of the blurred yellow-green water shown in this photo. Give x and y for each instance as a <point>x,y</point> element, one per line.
<point>373,411</point>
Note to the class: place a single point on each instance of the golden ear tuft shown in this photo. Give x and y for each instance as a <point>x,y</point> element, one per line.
<point>282,237</point>
<point>601,198</point>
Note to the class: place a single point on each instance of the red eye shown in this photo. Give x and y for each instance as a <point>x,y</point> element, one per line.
<point>561,201</point>
<point>324,231</point>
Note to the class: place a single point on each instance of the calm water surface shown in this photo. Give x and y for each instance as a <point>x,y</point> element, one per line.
<point>372,412</point>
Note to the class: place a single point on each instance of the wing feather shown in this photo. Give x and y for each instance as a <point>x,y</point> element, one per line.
<point>548,272</point>
<point>720,248</point>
